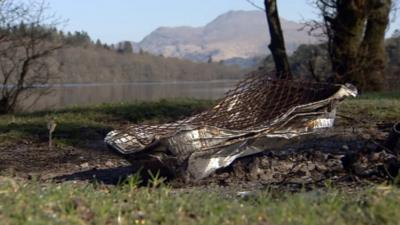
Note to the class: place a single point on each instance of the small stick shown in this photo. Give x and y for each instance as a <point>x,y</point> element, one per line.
<point>51,126</point>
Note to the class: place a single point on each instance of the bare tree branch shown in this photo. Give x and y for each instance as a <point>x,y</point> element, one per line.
<point>26,44</point>
<point>255,5</point>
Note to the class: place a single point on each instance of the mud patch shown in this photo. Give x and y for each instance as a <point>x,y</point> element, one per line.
<point>27,160</point>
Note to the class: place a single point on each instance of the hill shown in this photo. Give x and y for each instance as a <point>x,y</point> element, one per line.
<point>233,36</point>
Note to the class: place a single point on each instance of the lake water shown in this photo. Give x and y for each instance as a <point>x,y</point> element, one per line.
<point>91,94</point>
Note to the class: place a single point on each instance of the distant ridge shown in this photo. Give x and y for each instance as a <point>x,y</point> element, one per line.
<point>235,36</point>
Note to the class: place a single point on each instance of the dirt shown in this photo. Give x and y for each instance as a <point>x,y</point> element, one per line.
<point>37,160</point>
<point>350,157</point>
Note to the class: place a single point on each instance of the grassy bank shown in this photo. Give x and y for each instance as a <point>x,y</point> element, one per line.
<point>78,124</point>
<point>373,107</point>
<point>35,203</point>
<point>82,124</point>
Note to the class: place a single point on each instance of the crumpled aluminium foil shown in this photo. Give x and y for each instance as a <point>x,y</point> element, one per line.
<point>260,114</point>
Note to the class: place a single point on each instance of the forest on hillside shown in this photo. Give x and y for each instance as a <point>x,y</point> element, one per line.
<point>34,53</point>
<point>82,60</point>
<point>79,59</point>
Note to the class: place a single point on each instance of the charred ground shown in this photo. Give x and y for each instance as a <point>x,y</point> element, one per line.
<point>348,155</point>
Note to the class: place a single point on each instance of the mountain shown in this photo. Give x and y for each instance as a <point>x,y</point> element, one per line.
<point>234,36</point>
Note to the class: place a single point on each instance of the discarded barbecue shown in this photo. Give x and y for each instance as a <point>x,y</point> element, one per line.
<point>260,114</point>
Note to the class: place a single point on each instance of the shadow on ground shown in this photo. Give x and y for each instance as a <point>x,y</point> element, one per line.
<point>111,176</point>
<point>146,170</point>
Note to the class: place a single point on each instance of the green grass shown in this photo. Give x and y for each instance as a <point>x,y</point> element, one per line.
<point>68,203</point>
<point>82,124</point>
<point>381,95</point>
<point>32,202</point>
<point>373,107</point>
<point>78,125</point>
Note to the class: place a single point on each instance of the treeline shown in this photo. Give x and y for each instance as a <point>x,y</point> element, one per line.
<point>70,39</point>
<point>94,64</point>
<point>82,59</point>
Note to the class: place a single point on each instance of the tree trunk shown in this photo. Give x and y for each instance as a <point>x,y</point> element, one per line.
<point>348,27</point>
<point>373,46</point>
<point>277,45</point>
<point>358,51</point>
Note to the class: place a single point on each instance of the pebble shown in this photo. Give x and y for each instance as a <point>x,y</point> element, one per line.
<point>345,147</point>
<point>109,163</point>
<point>84,165</point>
<point>245,195</point>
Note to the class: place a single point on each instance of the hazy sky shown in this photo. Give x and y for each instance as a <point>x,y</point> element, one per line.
<point>116,20</point>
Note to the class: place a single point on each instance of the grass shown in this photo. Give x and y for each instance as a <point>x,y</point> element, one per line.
<point>373,107</point>
<point>34,202</point>
<point>77,125</point>
<point>68,203</point>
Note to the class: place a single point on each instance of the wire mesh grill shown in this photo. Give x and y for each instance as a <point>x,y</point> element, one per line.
<point>255,102</point>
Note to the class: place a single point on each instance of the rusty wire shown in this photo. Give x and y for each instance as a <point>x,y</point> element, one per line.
<point>255,102</point>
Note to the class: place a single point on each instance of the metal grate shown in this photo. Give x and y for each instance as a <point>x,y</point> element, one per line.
<point>256,102</point>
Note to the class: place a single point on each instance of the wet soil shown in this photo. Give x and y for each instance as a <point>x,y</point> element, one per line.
<point>340,156</point>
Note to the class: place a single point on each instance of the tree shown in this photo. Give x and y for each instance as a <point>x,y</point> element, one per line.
<point>78,38</point>
<point>310,62</point>
<point>393,70</point>
<point>277,45</point>
<point>98,43</point>
<point>25,50</point>
<point>356,32</point>
<point>125,47</point>
<point>210,59</point>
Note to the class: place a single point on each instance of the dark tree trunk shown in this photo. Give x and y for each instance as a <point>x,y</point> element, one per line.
<point>373,46</point>
<point>348,29</point>
<point>277,45</point>
<point>357,50</point>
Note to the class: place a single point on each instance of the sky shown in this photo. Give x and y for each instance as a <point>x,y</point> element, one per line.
<point>112,21</point>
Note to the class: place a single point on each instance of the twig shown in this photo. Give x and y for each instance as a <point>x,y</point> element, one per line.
<point>51,126</point>
<point>255,5</point>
